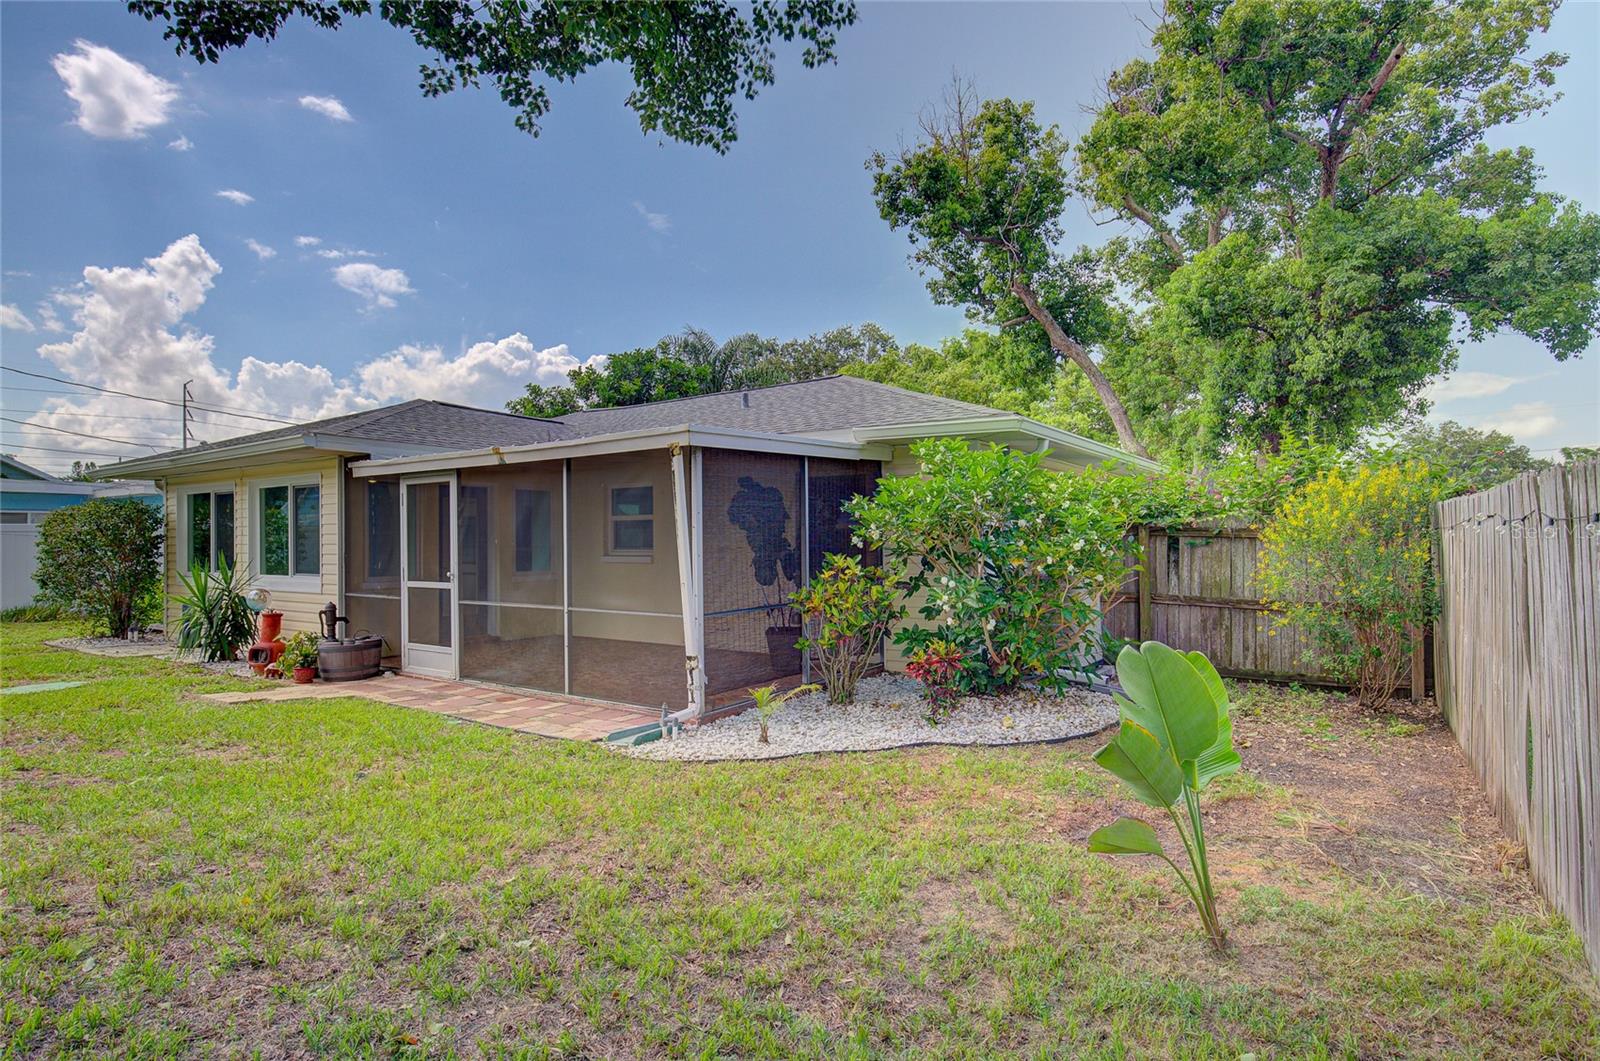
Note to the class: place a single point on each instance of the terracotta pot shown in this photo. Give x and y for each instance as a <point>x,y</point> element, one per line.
<point>304,675</point>
<point>270,625</point>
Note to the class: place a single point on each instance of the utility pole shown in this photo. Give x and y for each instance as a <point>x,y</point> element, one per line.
<point>187,398</point>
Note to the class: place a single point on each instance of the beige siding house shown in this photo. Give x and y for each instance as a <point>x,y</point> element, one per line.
<point>641,555</point>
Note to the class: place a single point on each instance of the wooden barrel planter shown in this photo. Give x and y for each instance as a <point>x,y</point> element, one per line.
<point>350,660</point>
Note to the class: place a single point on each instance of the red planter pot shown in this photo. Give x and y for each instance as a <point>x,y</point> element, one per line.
<point>304,675</point>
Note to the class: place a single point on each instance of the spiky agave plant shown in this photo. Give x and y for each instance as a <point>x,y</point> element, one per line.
<point>1176,737</point>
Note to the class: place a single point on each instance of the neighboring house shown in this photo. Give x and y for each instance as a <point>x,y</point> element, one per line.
<point>27,496</point>
<point>639,554</point>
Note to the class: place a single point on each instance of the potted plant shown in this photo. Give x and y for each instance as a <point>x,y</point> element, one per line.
<point>760,512</point>
<point>300,657</point>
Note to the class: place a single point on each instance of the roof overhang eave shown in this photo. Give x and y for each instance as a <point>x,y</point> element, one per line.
<point>626,442</point>
<point>182,462</point>
<point>1064,443</point>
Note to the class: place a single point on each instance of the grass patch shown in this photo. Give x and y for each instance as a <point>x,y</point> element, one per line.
<point>340,877</point>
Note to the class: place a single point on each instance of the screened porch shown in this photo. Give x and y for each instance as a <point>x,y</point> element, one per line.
<point>656,577</point>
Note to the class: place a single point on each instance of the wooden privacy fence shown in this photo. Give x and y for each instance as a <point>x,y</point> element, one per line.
<point>1519,669</point>
<point>1197,590</point>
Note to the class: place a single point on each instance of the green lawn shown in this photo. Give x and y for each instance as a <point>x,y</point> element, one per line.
<point>347,878</point>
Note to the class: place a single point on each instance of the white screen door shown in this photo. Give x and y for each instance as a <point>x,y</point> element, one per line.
<point>428,612</point>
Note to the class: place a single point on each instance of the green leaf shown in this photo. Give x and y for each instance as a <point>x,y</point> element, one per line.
<point>1126,836</point>
<point>1139,759</point>
<point>1221,758</point>
<point>1168,697</point>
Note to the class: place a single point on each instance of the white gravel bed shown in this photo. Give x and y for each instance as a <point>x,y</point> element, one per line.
<point>147,645</point>
<point>889,712</point>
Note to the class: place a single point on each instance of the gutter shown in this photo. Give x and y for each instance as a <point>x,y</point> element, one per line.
<point>1051,437</point>
<point>177,462</point>
<point>627,442</point>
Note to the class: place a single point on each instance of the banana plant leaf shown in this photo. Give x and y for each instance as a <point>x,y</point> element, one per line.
<point>1149,769</point>
<point>1221,758</point>
<point>1168,697</point>
<point>1126,836</point>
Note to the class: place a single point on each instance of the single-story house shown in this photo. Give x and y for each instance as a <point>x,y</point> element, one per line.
<point>640,554</point>
<point>27,496</point>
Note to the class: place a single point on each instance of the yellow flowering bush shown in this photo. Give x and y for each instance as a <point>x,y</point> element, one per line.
<point>1346,559</point>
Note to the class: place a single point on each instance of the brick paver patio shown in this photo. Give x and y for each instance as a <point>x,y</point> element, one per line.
<point>544,714</point>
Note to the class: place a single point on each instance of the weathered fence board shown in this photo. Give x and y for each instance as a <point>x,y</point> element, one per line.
<point>1197,590</point>
<point>1519,669</point>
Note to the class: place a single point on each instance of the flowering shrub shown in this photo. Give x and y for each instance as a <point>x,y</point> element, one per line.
<point>937,665</point>
<point>1013,560</point>
<point>1347,560</point>
<point>847,610</point>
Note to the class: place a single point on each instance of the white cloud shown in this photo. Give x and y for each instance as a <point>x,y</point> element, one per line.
<point>657,222</point>
<point>335,254</point>
<point>377,285</point>
<point>327,106</point>
<point>1460,385</point>
<point>13,318</point>
<point>117,98</point>
<point>1523,421</point>
<point>49,321</point>
<point>131,333</point>
<point>484,374</point>
<point>182,143</point>
<point>307,241</point>
<point>235,196</point>
<point>262,250</point>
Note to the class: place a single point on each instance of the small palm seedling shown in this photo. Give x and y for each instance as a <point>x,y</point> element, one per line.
<point>768,700</point>
<point>1175,738</point>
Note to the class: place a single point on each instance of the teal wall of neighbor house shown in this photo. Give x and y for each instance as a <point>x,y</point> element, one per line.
<point>30,501</point>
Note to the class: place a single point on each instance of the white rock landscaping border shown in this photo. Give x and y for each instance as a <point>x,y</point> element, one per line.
<point>889,713</point>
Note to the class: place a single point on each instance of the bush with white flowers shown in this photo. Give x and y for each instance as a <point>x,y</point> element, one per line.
<point>1016,561</point>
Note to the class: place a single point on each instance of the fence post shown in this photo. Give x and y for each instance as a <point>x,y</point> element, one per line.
<point>1419,669</point>
<point>1147,619</point>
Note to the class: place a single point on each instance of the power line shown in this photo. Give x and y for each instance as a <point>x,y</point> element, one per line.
<point>224,410</point>
<point>80,434</point>
<point>7,447</point>
<point>105,416</point>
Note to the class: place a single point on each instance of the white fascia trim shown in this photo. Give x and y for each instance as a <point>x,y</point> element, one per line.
<point>990,425</point>
<point>165,465</point>
<point>625,442</point>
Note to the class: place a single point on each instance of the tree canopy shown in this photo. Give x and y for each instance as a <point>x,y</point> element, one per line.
<point>1320,219</point>
<point>692,362</point>
<point>689,59</point>
<point>981,196</point>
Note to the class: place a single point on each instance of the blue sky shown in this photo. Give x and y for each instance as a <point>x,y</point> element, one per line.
<point>455,257</point>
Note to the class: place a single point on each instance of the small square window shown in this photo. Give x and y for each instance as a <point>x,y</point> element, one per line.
<point>13,517</point>
<point>632,519</point>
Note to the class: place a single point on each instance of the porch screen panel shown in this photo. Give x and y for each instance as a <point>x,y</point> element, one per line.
<point>626,603</point>
<point>754,511</point>
<point>509,575</point>
<point>372,558</point>
<point>831,484</point>
<point>834,482</point>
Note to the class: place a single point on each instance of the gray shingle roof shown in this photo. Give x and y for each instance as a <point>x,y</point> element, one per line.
<point>429,424</point>
<point>830,403</point>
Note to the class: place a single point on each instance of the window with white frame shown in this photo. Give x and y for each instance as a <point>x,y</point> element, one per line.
<point>631,521</point>
<point>532,537</point>
<point>288,540</point>
<point>207,527</point>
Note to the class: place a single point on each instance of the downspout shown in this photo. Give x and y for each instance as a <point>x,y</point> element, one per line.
<point>686,577</point>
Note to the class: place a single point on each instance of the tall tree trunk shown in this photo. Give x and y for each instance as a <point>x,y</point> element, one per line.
<point>1063,344</point>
